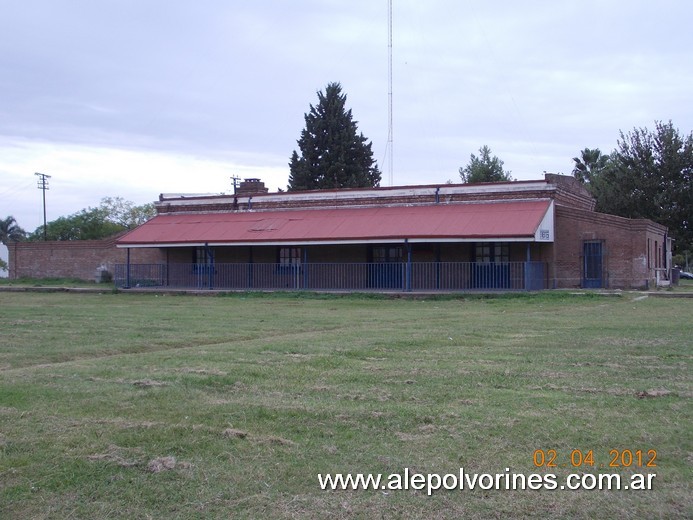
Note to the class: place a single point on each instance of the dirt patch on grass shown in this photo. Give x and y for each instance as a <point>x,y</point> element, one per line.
<point>125,424</point>
<point>584,390</point>
<point>636,342</point>
<point>134,457</point>
<point>218,401</point>
<point>161,464</point>
<point>553,375</point>
<point>298,355</point>
<point>376,395</point>
<point>661,392</point>
<point>26,322</point>
<point>143,383</point>
<point>278,441</point>
<point>203,371</point>
<point>123,457</point>
<point>233,433</point>
<point>148,383</point>
<point>427,428</point>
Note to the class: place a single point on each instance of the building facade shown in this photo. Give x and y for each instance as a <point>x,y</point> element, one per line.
<point>520,235</point>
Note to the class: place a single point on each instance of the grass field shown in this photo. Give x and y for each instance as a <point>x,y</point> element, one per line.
<point>155,406</point>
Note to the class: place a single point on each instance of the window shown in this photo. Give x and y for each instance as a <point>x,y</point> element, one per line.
<point>201,255</point>
<point>492,252</point>
<point>289,256</point>
<point>483,253</point>
<point>387,254</point>
<point>203,260</point>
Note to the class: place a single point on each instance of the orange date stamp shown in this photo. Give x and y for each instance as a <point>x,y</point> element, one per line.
<point>579,458</point>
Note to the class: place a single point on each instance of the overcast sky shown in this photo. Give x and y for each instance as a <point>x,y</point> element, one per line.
<point>133,98</point>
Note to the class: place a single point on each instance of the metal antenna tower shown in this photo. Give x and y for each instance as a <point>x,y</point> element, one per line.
<point>390,143</point>
<point>43,186</point>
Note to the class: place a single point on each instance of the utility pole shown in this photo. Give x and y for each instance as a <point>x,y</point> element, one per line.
<point>235,179</point>
<point>43,186</point>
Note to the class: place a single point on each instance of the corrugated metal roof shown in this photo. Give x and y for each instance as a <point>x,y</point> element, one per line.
<point>488,220</point>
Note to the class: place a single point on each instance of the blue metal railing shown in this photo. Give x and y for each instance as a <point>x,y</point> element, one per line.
<point>366,276</point>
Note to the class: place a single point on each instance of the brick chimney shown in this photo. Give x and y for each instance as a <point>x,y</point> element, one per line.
<point>251,187</point>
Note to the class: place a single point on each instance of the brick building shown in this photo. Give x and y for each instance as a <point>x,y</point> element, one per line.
<point>513,235</point>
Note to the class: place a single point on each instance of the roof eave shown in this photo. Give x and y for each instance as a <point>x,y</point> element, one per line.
<point>327,241</point>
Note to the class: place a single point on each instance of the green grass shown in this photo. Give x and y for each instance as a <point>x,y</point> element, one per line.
<point>48,282</point>
<point>93,387</point>
<point>684,285</point>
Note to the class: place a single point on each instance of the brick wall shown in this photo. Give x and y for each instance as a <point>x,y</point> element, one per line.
<point>226,204</point>
<point>632,249</point>
<point>570,192</point>
<point>565,190</point>
<point>72,259</point>
<point>624,243</point>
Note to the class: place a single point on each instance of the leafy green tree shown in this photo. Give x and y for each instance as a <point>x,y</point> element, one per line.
<point>650,176</point>
<point>113,215</point>
<point>125,213</point>
<point>590,164</point>
<point>484,168</point>
<point>10,231</point>
<point>333,154</point>
<point>88,224</point>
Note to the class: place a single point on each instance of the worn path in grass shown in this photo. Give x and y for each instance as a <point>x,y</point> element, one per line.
<point>122,405</point>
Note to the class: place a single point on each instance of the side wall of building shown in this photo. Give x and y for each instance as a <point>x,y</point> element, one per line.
<point>626,262</point>
<point>73,259</point>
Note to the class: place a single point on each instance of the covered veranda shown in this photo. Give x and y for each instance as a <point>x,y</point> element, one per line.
<point>504,245</point>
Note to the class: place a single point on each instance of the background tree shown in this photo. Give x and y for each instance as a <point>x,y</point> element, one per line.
<point>590,164</point>
<point>10,231</point>
<point>333,154</point>
<point>484,168</point>
<point>113,215</point>
<point>125,213</point>
<point>88,224</point>
<point>650,175</point>
<point>599,173</point>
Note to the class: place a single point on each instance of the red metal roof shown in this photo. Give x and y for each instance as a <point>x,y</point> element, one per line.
<point>487,220</point>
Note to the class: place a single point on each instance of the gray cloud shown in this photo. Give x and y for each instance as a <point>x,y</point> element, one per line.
<point>537,81</point>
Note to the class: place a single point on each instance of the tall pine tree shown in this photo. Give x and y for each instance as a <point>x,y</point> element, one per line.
<point>484,168</point>
<point>333,154</point>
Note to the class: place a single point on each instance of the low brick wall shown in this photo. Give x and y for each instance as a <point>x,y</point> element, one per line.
<point>72,259</point>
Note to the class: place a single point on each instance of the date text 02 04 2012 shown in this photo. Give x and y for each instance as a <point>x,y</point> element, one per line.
<point>577,458</point>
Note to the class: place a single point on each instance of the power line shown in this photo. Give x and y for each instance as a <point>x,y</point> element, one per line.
<point>11,190</point>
